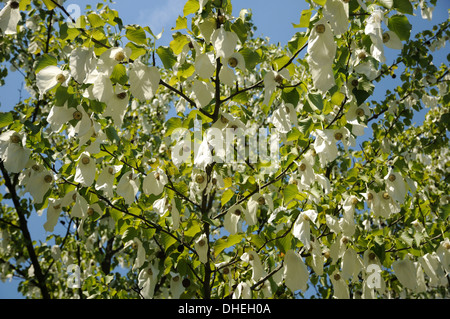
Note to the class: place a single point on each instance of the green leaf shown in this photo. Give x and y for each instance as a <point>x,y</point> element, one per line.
<point>315,101</point>
<point>50,4</point>
<point>305,126</point>
<point>61,96</point>
<point>186,70</point>
<point>285,243</point>
<point>95,20</point>
<point>297,41</point>
<point>129,234</point>
<point>337,98</point>
<point>361,96</point>
<point>320,2</point>
<point>251,58</point>
<point>226,242</point>
<point>304,19</point>
<point>119,74</point>
<point>280,62</point>
<point>112,135</point>
<point>290,95</point>
<point>136,34</point>
<point>240,28</point>
<point>406,238</point>
<point>136,50</point>
<point>444,211</point>
<point>167,57</point>
<point>167,241</point>
<point>180,24</point>
<point>178,42</point>
<point>400,25</point>
<point>289,193</point>
<point>6,119</point>
<point>418,237</point>
<point>293,135</point>
<point>172,124</point>
<point>226,196</point>
<point>386,3</point>
<point>192,6</point>
<point>45,61</point>
<point>403,6</point>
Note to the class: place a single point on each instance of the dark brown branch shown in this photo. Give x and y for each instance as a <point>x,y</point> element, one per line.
<point>10,185</point>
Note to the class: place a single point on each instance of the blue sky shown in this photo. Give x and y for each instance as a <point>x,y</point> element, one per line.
<point>273,19</point>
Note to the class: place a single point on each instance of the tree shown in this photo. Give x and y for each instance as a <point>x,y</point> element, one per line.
<point>256,186</point>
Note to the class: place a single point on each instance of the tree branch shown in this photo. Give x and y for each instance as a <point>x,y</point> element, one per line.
<point>10,185</point>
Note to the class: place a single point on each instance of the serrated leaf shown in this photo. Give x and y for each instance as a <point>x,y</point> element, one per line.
<point>400,25</point>
<point>406,238</point>
<point>226,242</point>
<point>285,243</point>
<point>6,119</point>
<point>304,19</point>
<point>45,61</point>
<point>95,20</point>
<point>129,234</point>
<point>49,4</point>
<point>178,43</point>
<point>172,124</point>
<point>403,6</point>
<point>305,126</point>
<point>293,135</point>
<point>320,2</point>
<point>315,101</point>
<point>191,6</point>
<point>251,58</point>
<point>136,50</point>
<point>180,24</point>
<point>167,241</point>
<point>227,181</point>
<point>112,135</point>
<point>289,193</point>
<point>119,74</point>
<point>167,57</point>
<point>337,98</point>
<point>136,34</point>
<point>297,41</point>
<point>226,196</point>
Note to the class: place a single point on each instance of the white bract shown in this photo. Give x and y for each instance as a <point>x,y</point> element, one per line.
<point>82,62</point>
<point>201,247</point>
<point>295,274</point>
<point>154,182</point>
<point>336,12</point>
<point>271,81</point>
<point>10,17</point>
<point>53,211</point>
<point>224,42</point>
<point>284,118</point>
<point>406,273</point>
<point>301,229</point>
<point>49,77</point>
<point>321,53</point>
<point>13,152</point>
<point>127,187</point>
<point>232,219</point>
<point>85,172</point>
<point>144,80</point>
<point>253,259</point>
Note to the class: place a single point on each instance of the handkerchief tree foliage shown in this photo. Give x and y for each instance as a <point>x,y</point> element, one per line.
<point>355,204</point>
